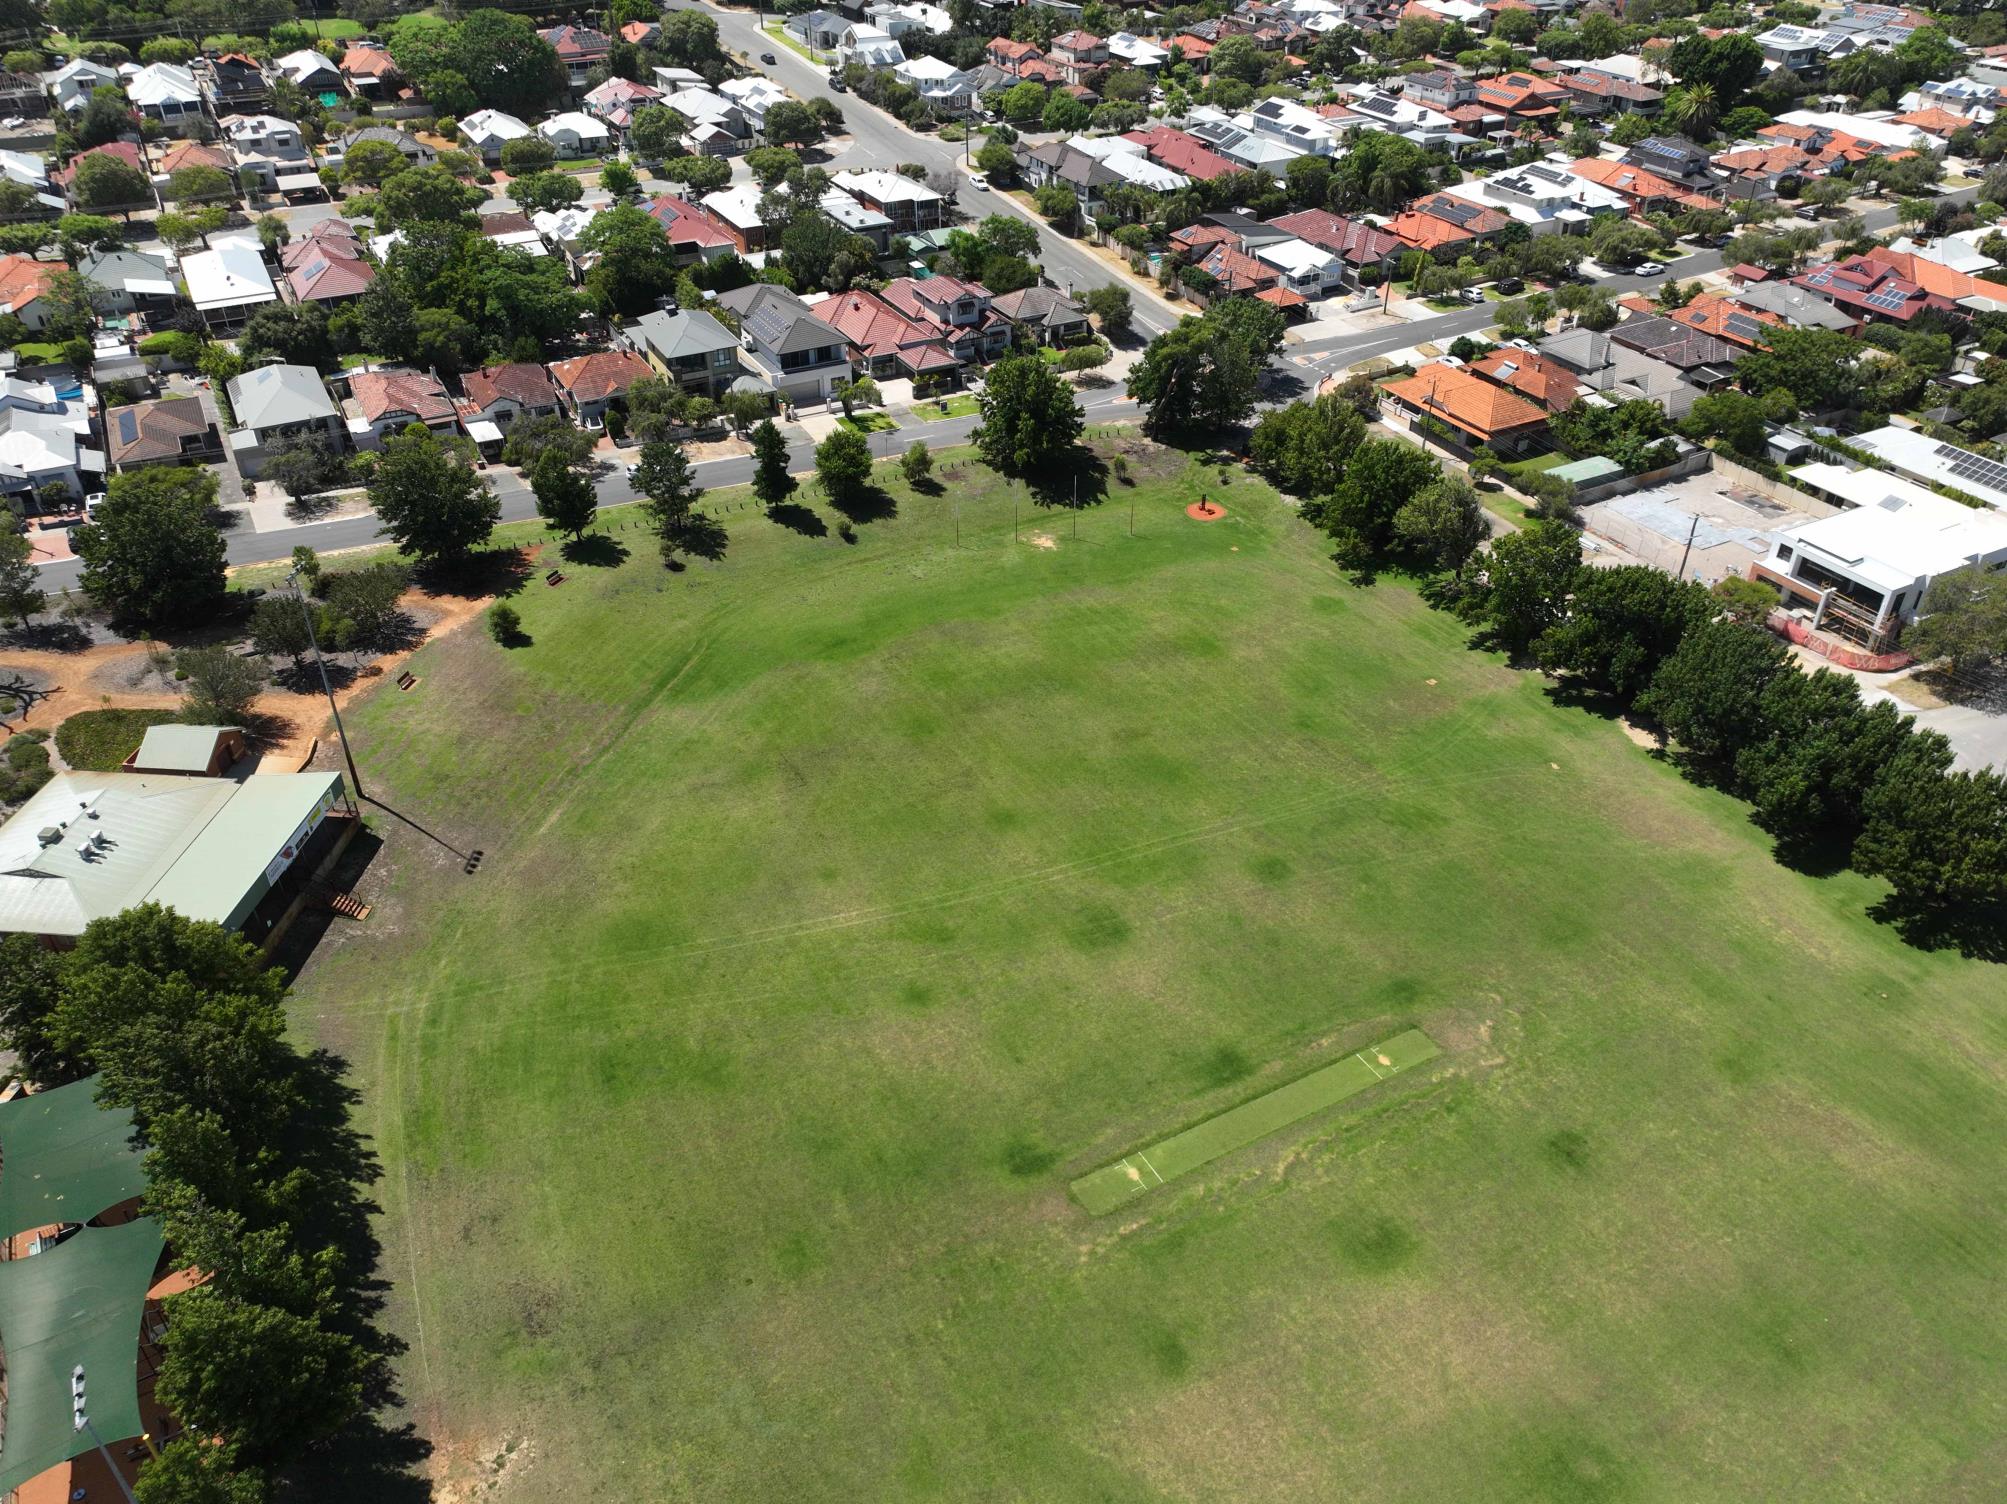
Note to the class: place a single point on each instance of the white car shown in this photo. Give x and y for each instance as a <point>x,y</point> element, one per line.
<point>978,182</point>
<point>1649,269</point>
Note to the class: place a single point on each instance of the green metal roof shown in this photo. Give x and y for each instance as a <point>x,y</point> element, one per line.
<point>64,1158</point>
<point>174,748</point>
<point>1583,472</point>
<point>77,1304</point>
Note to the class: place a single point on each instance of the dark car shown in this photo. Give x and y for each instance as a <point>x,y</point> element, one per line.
<point>838,86</point>
<point>1511,286</point>
<point>769,59</point>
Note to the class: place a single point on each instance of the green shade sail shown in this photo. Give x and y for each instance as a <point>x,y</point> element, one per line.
<point>64,1158</point>
<point>78,1303</point>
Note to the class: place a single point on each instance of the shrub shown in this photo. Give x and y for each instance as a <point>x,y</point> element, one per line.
<point>505,623</point>
<point>97,741</point>
<point>25,767</point>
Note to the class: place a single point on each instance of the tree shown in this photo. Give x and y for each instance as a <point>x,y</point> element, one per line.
<point>565,498</point>
<point>218,685</point>
<point>268,1379</point>
<point>1527,580</point>
<point>81,234</point>
<point>1112,309</point>
<point>200,185</point>
<point>542,191</point>
<point>1818,752</point>
<point>371,163</point>
<point>103,181</point>
<point>508,66</point>
<point>364,605</point>
<point>151,556</point>
<point>106,117</point>
<point>1939,838</point>
<point>771,482</point>
<point>21,594</point>
<point>618,179</point>
<point>1708,693</point>
<point>664,477</point>
<point>1203,374</point>
<point>855,391</point>
<point>655,132</point>
<point>1379,478</point>
<point>1028,416</point>
<point>1621,625</point>
<point>843,465</point>
<point>1617,240</point>
<point>1728,64</point>
<point>1732,417</point>
<point>505,623</point>
<point>305,465</point>
<point>279,629</point>
<point>996,161</point>
<point>790,123</point>
<point>29,981</point>
<point>192,1470</point>
<point>1303,448</point>
<point>527,155</point>
<point>429,500</point>
<point>421,195</point>
<point>636,263</point>
<point>1693,111</point>
<point>1443,523</point>
<point>1961,621</point>
<point>1814,365</point>
<point>916,464</point>
<point>531,436</point>
<point>296,333</point>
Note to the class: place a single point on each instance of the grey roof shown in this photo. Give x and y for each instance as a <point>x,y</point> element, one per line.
<point>1578,349</point>
<point>1794,303</point>
<point>1040,305</point>
<point>777,320</point>
<point>1072,166</point>
<point>117,268</point>
<point>677,336</point>
<point>272,396</point>
<point>390,135</point>
<point>1675,343</point>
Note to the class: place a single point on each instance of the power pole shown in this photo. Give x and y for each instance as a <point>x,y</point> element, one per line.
<point>1692,528</point>
<point>320,663</point>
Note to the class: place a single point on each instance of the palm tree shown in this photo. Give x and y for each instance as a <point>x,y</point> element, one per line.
<point>1693,110</point>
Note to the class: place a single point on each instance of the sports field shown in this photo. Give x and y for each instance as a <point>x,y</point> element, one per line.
<point>844,902</point>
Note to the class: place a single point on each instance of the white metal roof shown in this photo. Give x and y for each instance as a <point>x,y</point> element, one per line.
<point>163,83</point>
<point>1897,532</point>
<point>232,272</point>
<point>493,125</point>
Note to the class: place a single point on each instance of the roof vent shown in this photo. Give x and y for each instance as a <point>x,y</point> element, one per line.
<point>48,835</point>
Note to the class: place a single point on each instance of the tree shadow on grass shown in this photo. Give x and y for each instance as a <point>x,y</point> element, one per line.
<point>1078,479</point>
<point>869,503</point>
<point>797,518</point>
<point>1978,931</point>
<point>493,571</point>
<point>595,550</point>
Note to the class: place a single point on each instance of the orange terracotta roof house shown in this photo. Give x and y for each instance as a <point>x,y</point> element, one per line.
<point>1169,147</point>
<point>1711,313</point>
<point>590,384</point>
<point>194,154</point>
<point>1643,191</point>
<point>1482,411</point>
<point>1522,95</point>
<point>1440,220</point>
<point>1937,122</point>
<point>1535,377</point>
<point>24,280</point>
<point>396,399</point>
<point>1936,277</point>
<point>1236,272</point>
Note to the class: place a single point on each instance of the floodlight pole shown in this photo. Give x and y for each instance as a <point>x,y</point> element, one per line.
<point>320,663</point>
<point>82,1422</point>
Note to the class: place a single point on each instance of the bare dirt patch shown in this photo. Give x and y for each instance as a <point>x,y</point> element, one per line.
<point>463,1473</point>
<point>1042,540</point>
<point>1638,734</point>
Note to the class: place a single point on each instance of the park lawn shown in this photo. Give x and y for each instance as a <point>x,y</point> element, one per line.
<point>842,901</point>
<point>867,422</point>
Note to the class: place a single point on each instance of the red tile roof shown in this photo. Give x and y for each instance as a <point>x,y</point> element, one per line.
<point>368,62</point>
<point>1012,51</point>
<point>1424,224</point>
<point>605,373</point>
<point>1545,381</point>
<point>194,154</point>
<point>686,224</point>
<point>378,394</point>
<point>126,152</point>
<point>1169,147</point>
<point>1468,402</point>
<point>24,279</point>
<point>577,42</point>
<point>874,325</point>
<point>1237,272</point>
<point>1354,240</point>
<point>522,381</point>
<point>1711,313</point>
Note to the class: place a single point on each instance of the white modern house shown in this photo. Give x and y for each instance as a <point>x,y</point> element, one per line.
<point>1305,269</point>
<point>1862,573</point>
<point>940,83</point>
<point>576,134</point>
<point>1922,458</point>
<point>168,94</point>
<point>228,282</point>
<point>1130,162</point>
<point>312,72</point>
<point>754,97</point>
<point>43,442</point>
<point>1547,199</point>
<point>488,131</point>
<point>1129,48</point>
<point>869,47</point>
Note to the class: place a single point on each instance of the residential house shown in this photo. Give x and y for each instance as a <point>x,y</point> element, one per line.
<point>1797,307</point>
<point>1248,150</point>
<point>1396,114</point>
<point>1676,159</point>
<point>44,443</point>
<point>228,282</point>
<point>1545,198</point>
<point>1643,192</point>
<point>1078,54</point>
<point>171,431</point>
<point>580,49</point>
<point>1044,315</point>
<point>1354,242</point>
<point>496,396</point>
<point>326,265</point>
<point>858,220</point>
<point>1010,56</point>
<point>1136,52</point>
<point>1181,153</point>
<point>1236,273</point>
<point>1540,379</point>
<point>1522,97</point>
<point>885,342</point>
<point>488,131</point>
<point>415,152</point>
<point>641,33</point>
<point>1727,319</point>
<point>65,178</point>
<point>1801,49</point>
<point>25,285</point>
<point>797,353</point>
<point>31,172</point>
<point>563,230</point>
<point>1974,294</point>
<point>901,18</point>
<point>1601,95</point>
<point>384,403</point>
<point>691,348</point>
<point>1620,372</point>
<point>167,95</point>
<point>590,384</point>
<point>736,211</point>
<point>1480,414</point>
<point>276,403</point>
<point>869,47</point>
<point>1873,289</point>
<point>177,155</point>
<point>960,311</point>
<point>941,84</point>
<point>1702,360</point>
<point>754,97</point>
<point>817,30</point>
<point>1440,222</point>
<point>1307,270</point>
<point>1303,130</point>
<point>71,85</point>
<point>1439,90</point>
<point>1863,572</point>
<point>370,72</point>
<point>270,136</point>
<point>1921,458</point>
<point>718,127</point>
<point>1978,103</point>
<point>311,71</point>
<point>233,84</point>
<point>693,234</point>
<point>616,100</point>
<point>910,205</point>
<point>1058,162</point>
<point>1886,136</point>
<point>1128,162</point>
<point>576,134</point>
<point>132,281</point>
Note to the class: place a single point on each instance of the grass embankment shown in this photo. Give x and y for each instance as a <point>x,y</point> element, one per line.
<point>843,901</point>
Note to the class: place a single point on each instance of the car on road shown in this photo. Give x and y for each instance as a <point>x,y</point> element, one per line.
<point>769,59</point>
<point>1470,295</point>
<point>978,182</point>
<point>837,85</point>
<point>1649,269</point>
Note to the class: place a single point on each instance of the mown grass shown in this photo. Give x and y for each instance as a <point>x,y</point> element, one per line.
<point>842,900</point>
<point>97,741</point>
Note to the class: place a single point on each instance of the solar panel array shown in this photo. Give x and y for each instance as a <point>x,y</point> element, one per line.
<point>1455,211</point>
<point>1743,326</point>
<point>1888,302</point>
<point>1965,465</point>
<point>128,425</point>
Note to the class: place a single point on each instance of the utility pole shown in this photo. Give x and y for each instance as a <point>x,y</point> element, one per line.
<point>1692,528</point>
<point>313,638</point>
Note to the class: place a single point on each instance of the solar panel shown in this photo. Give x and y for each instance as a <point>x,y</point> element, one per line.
<point>1888,301</point>
<point>128,426</point>
<point>1743,324</point>
<point>1458,214</point>
<point>1965,465</point>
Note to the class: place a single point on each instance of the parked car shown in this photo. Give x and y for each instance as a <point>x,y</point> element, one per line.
<point>1650,269</point>
<point>1512,286</point>
<point>769,59</point>
<point>1470,295</point>
<point>978,182</point>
